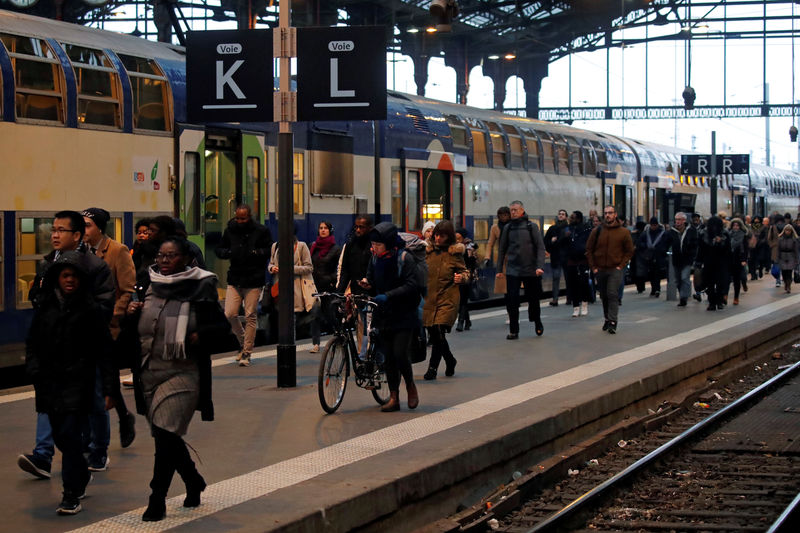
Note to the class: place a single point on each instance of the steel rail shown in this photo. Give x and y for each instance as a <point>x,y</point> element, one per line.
<point>556,521</point>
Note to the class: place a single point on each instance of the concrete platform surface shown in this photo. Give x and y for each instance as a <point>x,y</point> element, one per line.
<point>275,461</point>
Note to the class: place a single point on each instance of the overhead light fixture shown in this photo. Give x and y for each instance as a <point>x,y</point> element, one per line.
<point>510,56</point>
<point>493,56</point>
<point>412,30</point>
<point>430,29</point>
<point>444,11</point>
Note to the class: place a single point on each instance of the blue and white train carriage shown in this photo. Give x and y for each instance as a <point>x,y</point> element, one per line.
<point>94,118</point>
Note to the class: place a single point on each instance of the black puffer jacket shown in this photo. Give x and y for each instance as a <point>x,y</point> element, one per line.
<point>68,339</point>
<point>325,267</point>
<point>248,248</point>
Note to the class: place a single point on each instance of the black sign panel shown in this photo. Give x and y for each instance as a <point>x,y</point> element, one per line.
<point>700,165</point>
<point>229,76</point>
<point>341,73</point>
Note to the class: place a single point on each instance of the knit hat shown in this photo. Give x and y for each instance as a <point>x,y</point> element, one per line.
<point>99,216</point>
<point>428,225</point>
<point>653,220</point>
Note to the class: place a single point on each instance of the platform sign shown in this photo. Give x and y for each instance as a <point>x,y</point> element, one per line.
<point>229,76</point>
<point>700,165</point>
<point>341,73</point>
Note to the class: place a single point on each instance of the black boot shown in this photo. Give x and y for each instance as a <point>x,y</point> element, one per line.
<point>195,484</point>
<point>156,509</point>
<point>449,363</point>
<point>460,325</point>
<point>430,375</point>
<point>467,324</point>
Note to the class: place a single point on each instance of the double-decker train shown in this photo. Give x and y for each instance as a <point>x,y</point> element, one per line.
<point>94,118</point>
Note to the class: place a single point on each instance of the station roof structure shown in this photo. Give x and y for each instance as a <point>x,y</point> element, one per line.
<point>506,37</point>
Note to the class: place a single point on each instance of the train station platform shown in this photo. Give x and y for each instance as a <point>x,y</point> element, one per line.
<point>275,461</point>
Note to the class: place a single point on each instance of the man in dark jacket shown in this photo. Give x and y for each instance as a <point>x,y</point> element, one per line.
<point>66,236</point>
<point>247,244</point>
<point>651,255</point>
<point>522,248</point>
<point>355,257</point>
<point>392,277</point>
<point>554,243</point>
<point>684,252</point>
<point>608,250</point>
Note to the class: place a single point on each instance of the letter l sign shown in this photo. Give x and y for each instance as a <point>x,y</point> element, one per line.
<point>335,81</point>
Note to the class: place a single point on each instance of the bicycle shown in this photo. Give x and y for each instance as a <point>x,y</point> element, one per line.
<point>341,354</point>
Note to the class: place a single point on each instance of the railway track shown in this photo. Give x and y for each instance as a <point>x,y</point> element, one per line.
<point>704,469</point>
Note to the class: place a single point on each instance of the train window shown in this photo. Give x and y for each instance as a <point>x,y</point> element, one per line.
<point>562,154</point>
<point>534,151</point>
<point>479,156</point>
<point>33,243</point>
<point>397,199</point>
<point>458,201</point>
<point>457,131</point>
<point>191,192</point>
<point>38,76</point>
<point>515,141</point>
<point>98,86</point>
<point>548,160</point>
<point>498,145</point>
<point>333,171</point>
<point>602,157</point>
<point>298,179</point>
<point>589,159</point>
<point>575,156</point>
<point>150,94</point>
<point>412,200</point>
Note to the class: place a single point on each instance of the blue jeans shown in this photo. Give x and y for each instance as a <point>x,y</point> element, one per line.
<point>683,281</point>
<point>97,426</point>
<point>45,447</point>
<point>556,271</point>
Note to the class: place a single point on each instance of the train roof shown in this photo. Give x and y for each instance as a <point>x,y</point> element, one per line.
<point>20,24</point>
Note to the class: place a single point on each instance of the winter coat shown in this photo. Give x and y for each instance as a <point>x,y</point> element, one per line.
<point>714,256</point>
<point>98,276</point>
<point>304,286</point>
<point>773,235</point>
<point>684,246</point>
<point>556,231</point>
<point>119,261</point>
<point>739,245</point>
<point>575,249</point>
<point>396,277</point>
<point>609,246</point>
<point>248,247</point>
<point>353,261</point>
<point>441,304</point>
<point>787,252</point>
<point>522,248</point>
<point>325,268</point>
<point>649,259</point>
<point>67,341</point>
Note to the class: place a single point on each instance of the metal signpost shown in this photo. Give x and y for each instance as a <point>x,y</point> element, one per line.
<point>341,76</point>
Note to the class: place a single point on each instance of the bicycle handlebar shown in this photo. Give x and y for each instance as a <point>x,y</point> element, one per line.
<point>362,298</point>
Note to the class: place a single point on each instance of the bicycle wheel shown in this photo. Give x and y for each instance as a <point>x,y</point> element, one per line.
<point>381,394</point>
<point>334,367</point>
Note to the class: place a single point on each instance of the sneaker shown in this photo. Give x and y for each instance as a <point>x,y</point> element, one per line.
<point>697,297</point>
<point>34,465</point>
<point>576,311</point>
<point>239,356</point>
<point>682,303</point>
<point>245,361</point>
<point>69,505</point>
<point>612,328</point>
<point>777,283</point>
<point>606,324</point>
<point>98,464</point>
<point>512,336</point>
<point>314,349</point>
<point>127,430</point>
<point>584,308</point>
<point>554,303</point>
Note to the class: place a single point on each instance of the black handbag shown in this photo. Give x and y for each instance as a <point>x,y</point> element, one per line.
<point>796,275</point>
<point>418,351</point>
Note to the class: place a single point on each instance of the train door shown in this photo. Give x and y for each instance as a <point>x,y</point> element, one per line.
<point>435,195</point>
<point>740,204</point>
<point>253,165</point>
<point>623,202</point>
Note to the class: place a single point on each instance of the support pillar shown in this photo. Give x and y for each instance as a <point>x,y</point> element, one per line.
<point>420,72</point>
<point>532,72</point>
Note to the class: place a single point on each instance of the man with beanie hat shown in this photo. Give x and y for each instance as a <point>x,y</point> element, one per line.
<point>119,260</point>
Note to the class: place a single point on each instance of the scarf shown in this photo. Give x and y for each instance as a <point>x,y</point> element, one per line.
<point>652,243</point>
<point>323,244</point>
<point>737,238</point>
<point>191,285</point>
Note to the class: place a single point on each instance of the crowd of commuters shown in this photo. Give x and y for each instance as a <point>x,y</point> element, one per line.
<point>155,309</point>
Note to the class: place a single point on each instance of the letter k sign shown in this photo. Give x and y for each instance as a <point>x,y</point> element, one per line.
<point>226,78</point>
